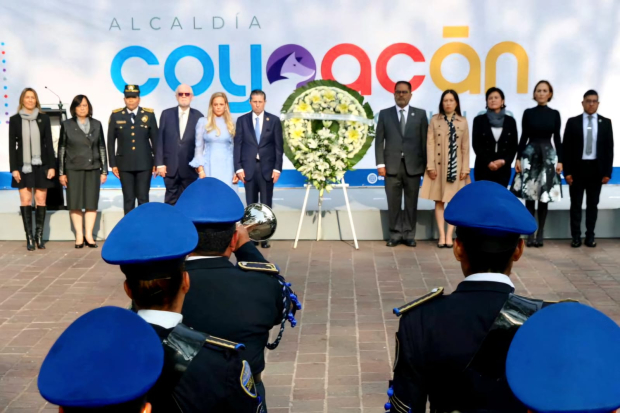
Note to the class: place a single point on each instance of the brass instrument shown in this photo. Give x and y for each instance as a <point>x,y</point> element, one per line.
<point>260,221</point>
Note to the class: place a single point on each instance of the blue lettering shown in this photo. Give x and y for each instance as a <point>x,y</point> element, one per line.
<point>197,53</point>
<point>126,54</point>
<point>256,76</point>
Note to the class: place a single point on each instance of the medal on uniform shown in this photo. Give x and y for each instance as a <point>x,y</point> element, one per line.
<point>145,118</point>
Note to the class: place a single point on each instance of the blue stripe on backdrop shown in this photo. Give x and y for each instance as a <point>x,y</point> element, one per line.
<point>290,179</point>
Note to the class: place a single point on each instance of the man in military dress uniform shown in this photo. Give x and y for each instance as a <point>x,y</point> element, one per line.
<point>452,349</point>
<point>105,362</point>
<point>201,373</point>
<point>240,303</point>
<point>132,133</point>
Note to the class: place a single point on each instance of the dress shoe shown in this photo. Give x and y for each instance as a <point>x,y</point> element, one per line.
<point>77,246</point>
<point>530,241</point>
<point>265,244</point>
<point>539,244</point>
<point>89,245</point>
<point>449,246</point>
<point>441,245</point>
<point>590,242</point>
<point>410,243</point>
<point>576,243</point>
<point>392,243</point>
<point>255,243</point>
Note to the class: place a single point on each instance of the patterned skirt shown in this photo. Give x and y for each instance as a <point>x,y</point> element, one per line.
<point>538,180</point>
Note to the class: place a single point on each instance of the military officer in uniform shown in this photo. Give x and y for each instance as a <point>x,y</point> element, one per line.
<point>452,349</point>
<point>105,362</point>
<point>565,359</point>
<point>201,373</point>
<point>237,302</point>
<point>132,133</point>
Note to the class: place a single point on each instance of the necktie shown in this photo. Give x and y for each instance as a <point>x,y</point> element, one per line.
<point>133,116</point>
<point>257,129</point>
<point>182,124</point>
<point>589,136</point>
<point>403,122</point>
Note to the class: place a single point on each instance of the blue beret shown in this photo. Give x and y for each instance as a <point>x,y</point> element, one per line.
<point>151,232</point>
<point>490,209</point>
<point>566,358</point>
<point>107,356</point>
<point>210,201</point>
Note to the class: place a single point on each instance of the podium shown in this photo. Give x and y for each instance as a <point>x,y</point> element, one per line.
<point>55,196</point>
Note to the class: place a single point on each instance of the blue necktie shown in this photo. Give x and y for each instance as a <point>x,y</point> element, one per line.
<point>257,129</point>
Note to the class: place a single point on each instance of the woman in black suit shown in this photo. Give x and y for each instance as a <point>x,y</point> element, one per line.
<point>494,140</point>
<point>83,167</point>
<point>32,161</point>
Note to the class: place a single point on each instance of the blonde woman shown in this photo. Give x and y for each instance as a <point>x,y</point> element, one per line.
<point>214,142</point>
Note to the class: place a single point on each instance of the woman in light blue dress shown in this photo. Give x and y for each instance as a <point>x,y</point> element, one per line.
<point>214,143</point>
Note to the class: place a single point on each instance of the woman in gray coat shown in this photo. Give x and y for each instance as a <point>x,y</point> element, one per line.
<point>83,167</point>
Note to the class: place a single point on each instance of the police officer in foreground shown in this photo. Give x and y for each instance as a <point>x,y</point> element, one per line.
<point>105,361</point>
<point>566,358</point>
<point>452,349</point>
<point>237,302</point>
<point>132,133</point>
<point>201,373</point>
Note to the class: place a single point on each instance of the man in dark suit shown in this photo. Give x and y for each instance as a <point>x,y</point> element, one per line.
<point>445,351</point>
<point>176,142</point>
<point>400,152</point>
<point>135,129</point>
<point>259,147</point>
<point>588,161</point>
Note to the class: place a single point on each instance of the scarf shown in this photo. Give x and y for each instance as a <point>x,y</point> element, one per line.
<point>496,119</point>
<point>452,167</point>
<point>84,126</point>
<point>31,140</point>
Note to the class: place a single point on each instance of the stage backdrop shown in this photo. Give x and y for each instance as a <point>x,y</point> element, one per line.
<point>94,47</point>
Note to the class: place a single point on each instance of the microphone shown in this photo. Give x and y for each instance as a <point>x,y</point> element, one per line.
<point>59,100</point>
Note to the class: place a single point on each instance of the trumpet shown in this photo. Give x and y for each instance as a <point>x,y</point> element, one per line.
<point>260,221</point>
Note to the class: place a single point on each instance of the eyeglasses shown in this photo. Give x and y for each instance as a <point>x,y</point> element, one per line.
<point>184,94</point>
<point>401,92</point>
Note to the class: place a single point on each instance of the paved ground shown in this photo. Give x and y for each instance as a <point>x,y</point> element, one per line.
<point>336,360</point>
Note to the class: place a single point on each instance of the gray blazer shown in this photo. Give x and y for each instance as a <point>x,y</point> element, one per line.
<point>390,145</point>
<point>81,151</point>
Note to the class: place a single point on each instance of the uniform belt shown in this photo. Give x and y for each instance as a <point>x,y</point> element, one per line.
<point>258,378</point>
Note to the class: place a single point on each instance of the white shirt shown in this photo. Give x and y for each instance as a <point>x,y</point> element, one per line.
<point>261,118</point>
<point>165,319</point>
<point>135,112</point>
<point>497,132</point>
<point>491,276</point>
<point>183,115</point>
<point>592,156</point>
<point>406,113</point>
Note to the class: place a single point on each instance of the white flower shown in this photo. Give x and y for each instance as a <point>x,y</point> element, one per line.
<point>525,163</point>
<point>544,197</point>
<point>555,193</point>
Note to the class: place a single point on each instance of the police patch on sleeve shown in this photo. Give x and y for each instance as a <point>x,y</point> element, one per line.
<point>247,380</point>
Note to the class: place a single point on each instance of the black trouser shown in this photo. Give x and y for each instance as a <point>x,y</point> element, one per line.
<point>135,185</point>
<point>260,389</point>
<point>259,185</point>
<point>589,180</point>
<point>402,223</point>
<point>175,185</point>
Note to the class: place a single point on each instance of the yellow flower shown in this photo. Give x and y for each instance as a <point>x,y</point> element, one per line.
<point>343,108</point>
<point>353,134</point>
<point>297,133</point>
<point>329,95</point>
<point>303,107</point>
<point>315,97</point>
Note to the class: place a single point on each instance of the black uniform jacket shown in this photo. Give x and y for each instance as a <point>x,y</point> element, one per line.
<point>131,146</point>
<point>211,383</point>
<point>435,343</point>
<point>237,305</point>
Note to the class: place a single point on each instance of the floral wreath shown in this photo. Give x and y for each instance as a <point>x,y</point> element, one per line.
<point>327,130</point>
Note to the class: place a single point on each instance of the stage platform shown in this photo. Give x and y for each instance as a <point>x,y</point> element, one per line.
<point>368,204</point>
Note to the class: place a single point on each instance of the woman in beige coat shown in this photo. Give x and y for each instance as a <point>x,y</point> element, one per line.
<point>447,168</point>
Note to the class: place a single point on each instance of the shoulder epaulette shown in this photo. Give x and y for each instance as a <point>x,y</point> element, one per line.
<point>117,110</point>
<point>435,292</point>
<point>259,266</point>
<point>148,110</point>
<point>220,342</point>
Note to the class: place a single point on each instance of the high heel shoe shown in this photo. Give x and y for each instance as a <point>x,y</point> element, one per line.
<point>93,245</point>
<point>77,246</point>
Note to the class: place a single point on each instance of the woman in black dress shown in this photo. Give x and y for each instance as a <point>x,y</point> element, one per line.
<point>32,161</point>
<point>538,169</point>
<point>83,167</point>
<point>494,140</point>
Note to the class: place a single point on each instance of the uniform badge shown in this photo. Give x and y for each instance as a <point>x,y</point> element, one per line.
<point>130,88</point>
<point>247,380</point>
<point>121,121</point>
<point>267,119</point>
<point>145,118</point>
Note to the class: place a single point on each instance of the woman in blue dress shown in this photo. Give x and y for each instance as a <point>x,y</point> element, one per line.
<point>214,142</point>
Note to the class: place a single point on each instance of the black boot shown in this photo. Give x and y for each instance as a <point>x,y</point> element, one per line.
<point>543,208</point>
<point>27,219</point>
<point>38,232</point>
<point>531,207</point>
